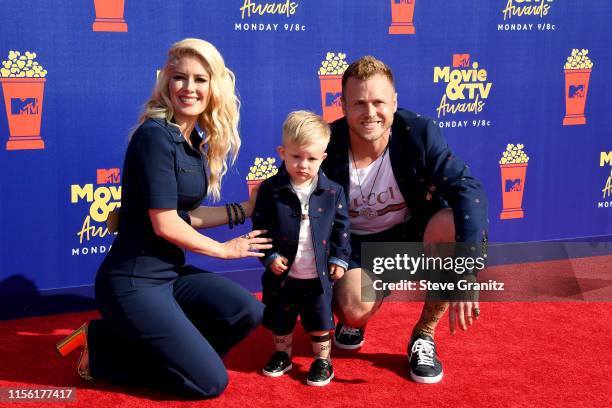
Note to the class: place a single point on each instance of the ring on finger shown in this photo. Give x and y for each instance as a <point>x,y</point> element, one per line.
<point>246,236</point>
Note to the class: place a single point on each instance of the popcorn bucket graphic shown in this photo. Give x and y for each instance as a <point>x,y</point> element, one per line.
<point>330,77</point>
<point>259,171</point>
<point>251,184</point>
<point>23,100</point>
<point>402,17</point>
<point>109,16</point>
<point>513,185</point>
<point>331,94</point>
<point>576,89</point>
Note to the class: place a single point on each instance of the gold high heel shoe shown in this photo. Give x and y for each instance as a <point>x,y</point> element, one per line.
<point>76,339</point>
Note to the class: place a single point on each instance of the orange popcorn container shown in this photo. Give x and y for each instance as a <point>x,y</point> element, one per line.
<point>402,17</point>
<point>512,184</point>
<point>331,95</point>
<point>251,184</point>
<point>576,89</point>
<point>109,16</point>
<point>23,100</point>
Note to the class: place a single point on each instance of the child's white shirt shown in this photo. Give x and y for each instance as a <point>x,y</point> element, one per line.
<point>304,266</point>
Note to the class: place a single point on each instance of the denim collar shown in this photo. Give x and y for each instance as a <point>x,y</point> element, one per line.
<point>175,132</point>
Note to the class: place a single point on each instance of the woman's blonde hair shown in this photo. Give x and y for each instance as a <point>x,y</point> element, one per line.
<point>220,118</point>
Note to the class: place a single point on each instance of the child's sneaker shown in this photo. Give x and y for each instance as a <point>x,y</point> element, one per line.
<point>279,364</point>
<point>321,372</point>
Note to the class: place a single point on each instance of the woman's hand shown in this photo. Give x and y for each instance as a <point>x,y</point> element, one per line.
<point>112,221</point>
<point>246,245</point>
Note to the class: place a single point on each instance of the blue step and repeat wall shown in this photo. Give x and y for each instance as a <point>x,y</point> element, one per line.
<point>521,89</point>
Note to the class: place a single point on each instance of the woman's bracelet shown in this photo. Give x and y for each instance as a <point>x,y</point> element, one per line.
<point>242,212</point>
<point>239,213</point>
<point>235,214</point>
<point>230,219</point>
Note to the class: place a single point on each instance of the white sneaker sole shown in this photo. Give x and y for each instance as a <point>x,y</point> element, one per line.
<point>348,346</point>
<point>426,380</point>
<point>278,373</point>
<point>320,383</point>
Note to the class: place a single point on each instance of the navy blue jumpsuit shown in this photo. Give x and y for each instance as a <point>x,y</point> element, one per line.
<point>164,323</point>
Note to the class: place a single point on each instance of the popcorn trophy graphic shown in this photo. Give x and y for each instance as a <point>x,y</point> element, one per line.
<point>402,17</point>
<point>259,171</point>
<point>23,85</point>
<point>513,165</point>
<point>577,74</point>
<point>330,77</point>
<point>109,16</point>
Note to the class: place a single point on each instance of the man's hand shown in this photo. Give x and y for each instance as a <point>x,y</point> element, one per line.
<point>464,313</point>
<point>278,265</point>
<point>335,271</point>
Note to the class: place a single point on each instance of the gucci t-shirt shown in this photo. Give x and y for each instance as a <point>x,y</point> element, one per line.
<point>375,201</point>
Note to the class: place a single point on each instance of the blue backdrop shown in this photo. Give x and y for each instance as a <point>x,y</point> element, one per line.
<point>60,155</point>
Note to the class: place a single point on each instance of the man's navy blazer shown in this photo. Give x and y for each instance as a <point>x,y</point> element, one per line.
<point>422,161</point>
<point>278,210</point>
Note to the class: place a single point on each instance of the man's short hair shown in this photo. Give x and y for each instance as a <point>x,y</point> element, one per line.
<point>365,68</point>
<point>304,127</point>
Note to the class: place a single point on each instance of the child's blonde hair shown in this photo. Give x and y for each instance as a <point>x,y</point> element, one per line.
<point>304,127</point>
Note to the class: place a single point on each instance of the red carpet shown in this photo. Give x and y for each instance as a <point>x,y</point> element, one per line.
<point>518,354</point>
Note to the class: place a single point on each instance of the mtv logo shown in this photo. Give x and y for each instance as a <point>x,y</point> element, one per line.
<point>108,176</point>
<point>513,185</point>
<point>26,106</point>
<point>605,157</point>
<point>461,60</point>
<point>333,99</point>
<point>576,91</point>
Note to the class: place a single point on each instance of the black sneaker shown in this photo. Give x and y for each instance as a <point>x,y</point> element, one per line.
<point>279,364</point>
<point>348,338</point>
<point>425,367</point>
<point>321,372</point>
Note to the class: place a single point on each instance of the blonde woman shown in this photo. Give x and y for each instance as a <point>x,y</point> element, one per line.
<point>163,322</point>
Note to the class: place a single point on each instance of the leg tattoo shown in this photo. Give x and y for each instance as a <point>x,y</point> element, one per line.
<point>321,346</point>
<point>284,343</point>
<point>430,317</point>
